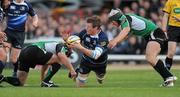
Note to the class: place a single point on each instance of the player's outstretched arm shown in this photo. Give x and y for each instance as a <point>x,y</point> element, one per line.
<point>121,36</point>
<point>95,54</point>
<point>65,61</point>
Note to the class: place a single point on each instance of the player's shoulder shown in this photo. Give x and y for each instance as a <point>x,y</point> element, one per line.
<point>26,2</point>
<point>103,35</point>
<point>82,33</point>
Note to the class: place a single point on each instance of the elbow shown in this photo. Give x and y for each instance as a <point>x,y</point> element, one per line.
<point>96,53</point>
<point>165,16</point>
<point>127,29</point>
<point>95,58</point>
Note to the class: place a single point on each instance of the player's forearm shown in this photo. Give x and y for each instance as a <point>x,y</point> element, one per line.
<point>122,35</point>
<point>87,52</point>
<point>164,21</point>
<point>35,20</point>
<point>65,61</point>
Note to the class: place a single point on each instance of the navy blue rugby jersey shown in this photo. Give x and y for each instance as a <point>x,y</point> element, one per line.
<point>17,14</point>
<point>91,42</point>
<point>1,14</point>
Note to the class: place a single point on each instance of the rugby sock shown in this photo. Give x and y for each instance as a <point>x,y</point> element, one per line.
<point>12,80</point>
<point>15,68</point>
<point>1,66</point>
<point>51,72</point>
<point>162,70</point>
<point>168,63</point>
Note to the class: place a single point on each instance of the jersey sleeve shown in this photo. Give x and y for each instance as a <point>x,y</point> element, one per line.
<point>31,10</point>
<point>167,7</point>
<point>62,48</point>
<point>124,22</point>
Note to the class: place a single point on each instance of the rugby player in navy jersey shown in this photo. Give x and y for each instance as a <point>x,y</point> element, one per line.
<point>94,48</point>
<point>16,12</point>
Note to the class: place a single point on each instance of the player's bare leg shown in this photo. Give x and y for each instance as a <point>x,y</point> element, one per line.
<point>171,52</point>
<point>152,50</point>
<point>2,59</point>
<point>44,71</point>
<point>81,80</point>
<point>22,76</point>
<point>13,58</point>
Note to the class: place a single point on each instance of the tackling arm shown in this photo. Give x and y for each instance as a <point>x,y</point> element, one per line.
<point>121,36</point>
<point>65,61</point>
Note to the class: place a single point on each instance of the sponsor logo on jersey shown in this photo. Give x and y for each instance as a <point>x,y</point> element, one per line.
<point>88,39</point>
<point>177,10</point>
<point>103,43</point>
<point>12,7</point>
<point>22,8</point>
<point>94,42</point>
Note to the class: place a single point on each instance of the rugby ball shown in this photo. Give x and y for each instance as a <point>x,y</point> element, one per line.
<point>73,39</point>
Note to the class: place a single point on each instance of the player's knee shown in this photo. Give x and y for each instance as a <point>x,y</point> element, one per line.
<point>100,76</point>
<point>150,59</point>
<point>22,76</point>
<point>81,80</point>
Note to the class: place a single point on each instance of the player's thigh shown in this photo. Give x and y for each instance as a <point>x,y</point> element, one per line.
<point>50,58</point>
<point>153,47</point>
<point>100,71</point>
<point>3,54</point>
<point>152,50</point>
<point>17,39</point>
<point>84,68</point>
<point>83,72</point>
<point>44,71</point>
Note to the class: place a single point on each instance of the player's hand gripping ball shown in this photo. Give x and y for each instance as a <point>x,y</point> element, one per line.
<point>73,39</point>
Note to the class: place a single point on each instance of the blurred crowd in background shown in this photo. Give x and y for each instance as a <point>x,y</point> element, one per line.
<point>52,23</point>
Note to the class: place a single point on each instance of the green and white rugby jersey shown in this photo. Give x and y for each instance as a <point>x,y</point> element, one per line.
<point>50,46</point>
<point>139,25</point>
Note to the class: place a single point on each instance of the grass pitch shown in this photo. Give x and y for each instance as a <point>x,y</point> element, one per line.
<point>118,83</point>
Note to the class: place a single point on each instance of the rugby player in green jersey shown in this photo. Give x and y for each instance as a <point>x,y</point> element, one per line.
<point>139,26</point>
<point>42,53</point>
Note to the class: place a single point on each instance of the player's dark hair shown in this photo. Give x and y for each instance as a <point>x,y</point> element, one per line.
<point>95,20</point>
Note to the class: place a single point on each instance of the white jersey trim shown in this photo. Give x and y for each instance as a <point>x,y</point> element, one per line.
<point>137,24</point>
